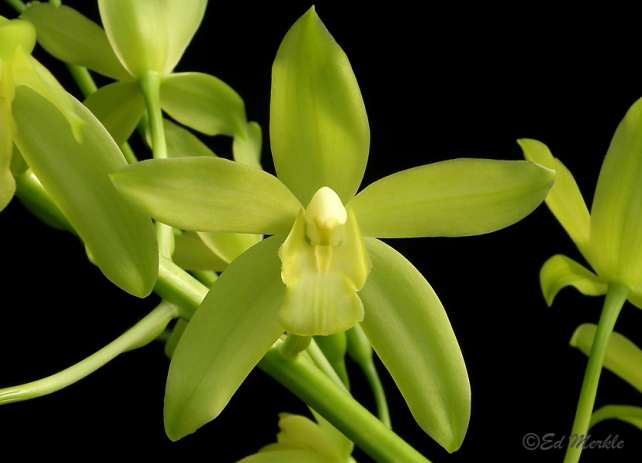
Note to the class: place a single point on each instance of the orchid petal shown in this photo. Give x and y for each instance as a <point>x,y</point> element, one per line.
<point>71,37</point>
<point>559,271</point>
<point>119,107</point>
<point>318,125</point>
<point>7,183</point>
<point>228,246</point>
<point>191,253</point>
<point>16,33</point>
<point>622,356</point>
<point>203,103</point>
<point>628,414</point>
<point>459,197</point>
<point>616,216</point>
<point>564,200</point>
<point>183,19</point>
<point>410,331</point>
<point>230,332</point>
<point>287,455</point>
<point>181,142</point>
<point>209,194</point>
<point>302,432</point>
<point>120,238</point>
<point>247,147</point>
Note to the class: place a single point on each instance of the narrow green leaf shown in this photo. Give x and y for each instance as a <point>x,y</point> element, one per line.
<point>564,200</point>
<point>559,271</point>
<point>318,125</point>
<point>71,37</point>
<point>203,103</point>
<point>247,147</point>
<point>191,253</point>
<point>76,175</point>
<point>622,356</point>
<point>616,216</point>
<point>227,336</point>
<point>119,107</point>
<point>458,197</point>
<point>631,415</point>
<point>410,331</point>
<point>209,194</point>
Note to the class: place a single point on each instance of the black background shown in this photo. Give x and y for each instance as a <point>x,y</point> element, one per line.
<point>439,82</point>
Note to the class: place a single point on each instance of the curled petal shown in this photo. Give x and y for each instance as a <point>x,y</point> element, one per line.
<point>559,271</point>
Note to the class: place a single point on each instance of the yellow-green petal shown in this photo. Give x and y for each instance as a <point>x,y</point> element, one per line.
<point>230,332</point>
<point>7,183</point>
<point>322,281</point>
<point>120,238</point>
<point>181,142</point>
<point>119,107</point>
<point>203,103</point>
<point>71,37</point>
<point>564,199</point>
<point>209,194</point>
<point>191,253</point>
<point>559,271</point>
<point>459,197</point>
<point>628,414</point>
<point>622,356</point>
<point>16,33</point>
<point>616,216</point>
<point>410,331</point>
<point>228,246</point>
<point>183,19</point>
<point>247,146</point>
<point>302,432</point>
<point>287,456</point>
<point>319,130</point>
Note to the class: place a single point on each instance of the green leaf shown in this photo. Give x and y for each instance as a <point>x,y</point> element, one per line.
<point>622,356</point>
<point>616,216</point>
<point>318,125</point>
<point>71,37</point>
<point>564,200</point>
<point>631,415</point>
<point>209,194</point>
<point>191,253</point>
<point>459,197</point>
<point>247,147</point>
<point>181,142</point>
<point>203,103</point>
<point>559,271</point>
<point>119,107</point>
<point>222,343</point>
<point>410,331</point>
<point>76,175</point>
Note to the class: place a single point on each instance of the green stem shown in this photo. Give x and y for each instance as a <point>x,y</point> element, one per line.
<point>17,5</point>
<point>83,79</point>
<point>322,363</point>
<point>150,84</point>
<point>615,298</point>
<point>293,345</point>
<point>312,386</point>
<point>299,375</point>
<point>207,277</point>
<point>138,335</point>
<point>370,371</point>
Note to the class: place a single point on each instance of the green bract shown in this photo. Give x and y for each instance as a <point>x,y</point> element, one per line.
<point>72,155</point>
<point>144,37</point>
<point>610,237</point>
<point>324,270</point>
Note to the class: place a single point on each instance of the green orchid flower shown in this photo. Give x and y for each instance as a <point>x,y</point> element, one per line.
<point>609,238</point>
<point>324,271</point>
<point>71,155</point>
<point>142,42</point>
<point>301,440</point>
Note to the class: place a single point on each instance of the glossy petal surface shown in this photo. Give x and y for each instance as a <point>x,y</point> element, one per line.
<point>564,200</point>
<point>459,197</point>
<point>411,333</point>
<point>616,216</point>
<point>227,336</point>
<point>71,37</point>
<point>209,194</point>
<point>318,125</point>
<point>120,238</point>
